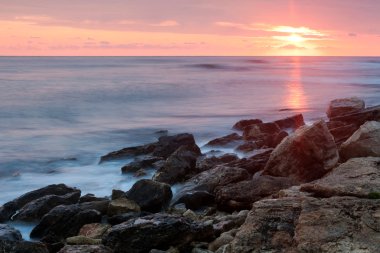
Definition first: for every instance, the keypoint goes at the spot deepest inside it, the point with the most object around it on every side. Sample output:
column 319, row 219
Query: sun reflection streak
column 296, row 98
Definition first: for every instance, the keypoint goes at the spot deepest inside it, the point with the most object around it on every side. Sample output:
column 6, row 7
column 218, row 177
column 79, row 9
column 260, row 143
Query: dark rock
column 9, row 233
column 196, row 199
column 151, row 196
column 306, row 155
column 93, row 230
column 340, row 107
column 248, row 146
column 117, row 194
column 278, row 138
column 242, row 195
column 122, row 205
column 35, row 209
column 293, row 122
column 225, row 140
column 261, row 131
column 90, row 198
column 179, row 165
column 206, row 163
column 240, row 125
column 138, row 164
column 65, row 221
column 10, row 208
column 128, row 152
column 85, row 249
column 159, row 231
column 254, row 163
column 120, row 218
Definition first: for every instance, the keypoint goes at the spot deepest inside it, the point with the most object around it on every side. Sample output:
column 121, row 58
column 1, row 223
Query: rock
column 11, row 242
column 138, row 164
column 94, row 230
column 199, row 250
column 140, row 173
column 179, row 164
column 277, row 139
column 159, row 231
column 229, row 222
column 339, row 107
column 85, row 249
column 190, row 214
column 82, row 240
column 117, row 219
column 206, row 163
column 223, row 239
column 196, row 199
column 164, row 147
column 90, row 198
column 248, row 146
column 151, row 196
column 363, row 143
column 293, row 122
column 207, row 181
column 357, row 177
column 242, row 195
column 342, row 133
column 270, row 226
column 344, row 225
column 35, row 209
column 261, row 131
column 240, row 125
column 65, row 221
column 359, row 118
column 117, row 194
column 9, row 233
column 122, row 205
column 306, row 155
column 10, row 208
column 227, row 140
column 253, row 163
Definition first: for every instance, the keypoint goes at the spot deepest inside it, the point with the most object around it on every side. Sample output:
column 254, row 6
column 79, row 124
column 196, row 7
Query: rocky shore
column 298, row 188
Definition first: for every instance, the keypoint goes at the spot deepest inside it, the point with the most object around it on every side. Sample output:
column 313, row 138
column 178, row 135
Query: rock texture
column 357, row 177
column 306, row 155
column 339, row 107
column 227, row 140
column 364, row 142
column 240, row 125
column 85, row 249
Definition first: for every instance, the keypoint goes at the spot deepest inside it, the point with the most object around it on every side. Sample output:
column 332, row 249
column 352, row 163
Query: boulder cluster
column 299, row 188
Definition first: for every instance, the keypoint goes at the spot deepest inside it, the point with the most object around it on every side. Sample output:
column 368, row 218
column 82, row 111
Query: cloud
column 292, row 47
column 352, row 34
column 166, row 23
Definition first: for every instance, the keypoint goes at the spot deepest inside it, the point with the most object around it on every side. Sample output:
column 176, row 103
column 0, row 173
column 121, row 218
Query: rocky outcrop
column 35, row 209
column 293, row 122
column 164, row 147
column 339, row 107
column 243, row 194
column 151, row 196
column 240, row 125
column 85, row 249
column 306, row 155
column 363, row 143
column 65, row 221
column 10, row 208
column 179, row 165
column 159, row 231
column 94, row 230
column 227, row 140
column 261, row 131
column 122, row 205
column 253, row 163
column 205, row 163
column 357, row 177
column 140, row 163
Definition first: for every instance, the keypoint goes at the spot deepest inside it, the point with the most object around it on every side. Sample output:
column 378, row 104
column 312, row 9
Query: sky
column 189, row 27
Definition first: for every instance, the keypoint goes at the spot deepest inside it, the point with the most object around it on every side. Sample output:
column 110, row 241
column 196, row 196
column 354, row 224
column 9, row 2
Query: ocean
column 58, row 115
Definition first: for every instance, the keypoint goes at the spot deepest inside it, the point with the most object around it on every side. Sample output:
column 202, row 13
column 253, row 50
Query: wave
column 213, row 66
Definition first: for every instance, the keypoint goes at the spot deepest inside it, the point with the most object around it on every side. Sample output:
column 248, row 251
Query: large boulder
column 228, row 140
column 122, row 205
column 306, row 155
column 151, row 196
column 164, row 147
column 10, row 208
column 178, row 165
column 35, row 209
column 206, row 163
column 159, row 231
column 357, row 177
column 242, row 195
column 66, row 221
column 261, row 131
column 339, row 107
column 364, row 142
column 293, row 122
column 360, row 117
column 140, row 163
column 240, row 125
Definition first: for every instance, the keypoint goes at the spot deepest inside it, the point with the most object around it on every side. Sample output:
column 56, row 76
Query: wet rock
column 263, row 131
column 140, row 173
column 293, row 122
column 164, row 147
column 357, row 177
column 82, row 240
column 363, row 143
column 122, row 205
column 270, row 226
column 179, row 165
column 343, row 224
column 206, row 163
column 117, row 194
column 10, row 208
column 65, row 221
column 94, row 230
column 253, row 163
column 339, row 107
column 248, row 146
column 243, row 194
column 240, row 125
column 208, row 180
column 159, row 231
column 227, row 140
column 146, row 162
column 85, row 249
column 151, row 196
column 9, row 233
column 91, row 198
column 306, row 155
column 35, row 209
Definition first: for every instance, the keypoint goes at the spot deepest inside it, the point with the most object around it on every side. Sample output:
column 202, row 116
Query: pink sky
column 190, row 27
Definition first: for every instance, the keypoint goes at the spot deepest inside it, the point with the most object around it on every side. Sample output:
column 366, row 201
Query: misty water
column 58, row 115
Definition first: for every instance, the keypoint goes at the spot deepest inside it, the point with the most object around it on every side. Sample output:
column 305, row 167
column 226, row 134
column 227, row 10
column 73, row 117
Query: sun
column 294, row 38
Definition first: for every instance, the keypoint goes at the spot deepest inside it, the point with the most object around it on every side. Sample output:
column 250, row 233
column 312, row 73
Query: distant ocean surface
column 58, row 115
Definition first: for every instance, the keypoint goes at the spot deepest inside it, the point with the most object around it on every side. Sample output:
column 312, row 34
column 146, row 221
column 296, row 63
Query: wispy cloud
column 166, row 23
